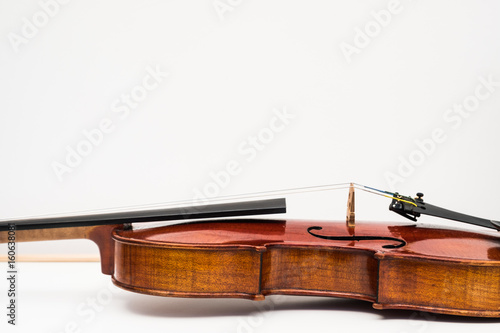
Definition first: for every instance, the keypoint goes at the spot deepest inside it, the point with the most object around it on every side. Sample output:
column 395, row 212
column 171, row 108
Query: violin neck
column 99, row 227
column 271, row 206
column 101, row 235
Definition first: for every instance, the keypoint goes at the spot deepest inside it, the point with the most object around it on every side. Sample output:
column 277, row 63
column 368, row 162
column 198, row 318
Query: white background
column 355, row 118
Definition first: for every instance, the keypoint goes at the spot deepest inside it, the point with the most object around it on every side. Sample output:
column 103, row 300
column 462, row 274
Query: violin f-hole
column 400, row 242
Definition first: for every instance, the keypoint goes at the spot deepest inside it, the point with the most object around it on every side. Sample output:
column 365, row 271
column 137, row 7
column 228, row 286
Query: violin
column 393, row 265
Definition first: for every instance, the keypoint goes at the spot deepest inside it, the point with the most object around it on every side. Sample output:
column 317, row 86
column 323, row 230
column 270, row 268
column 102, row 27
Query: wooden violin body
column 437, row 270
column 395, row 266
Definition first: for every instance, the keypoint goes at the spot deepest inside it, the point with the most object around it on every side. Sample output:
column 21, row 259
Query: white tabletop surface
column 76, row 297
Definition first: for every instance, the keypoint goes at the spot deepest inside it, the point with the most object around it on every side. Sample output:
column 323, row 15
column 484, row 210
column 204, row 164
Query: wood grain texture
column 54, row 258
column 438, row 270
column 188, row 271
column 444, row 287
column 101, row 235
column 315, row 271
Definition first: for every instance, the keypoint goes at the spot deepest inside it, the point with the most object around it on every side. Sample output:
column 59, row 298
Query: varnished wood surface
column 444, row 287
column 254, row 258
column 101, row 235
column 422, row 241
column 325, row 272
column 438, row 270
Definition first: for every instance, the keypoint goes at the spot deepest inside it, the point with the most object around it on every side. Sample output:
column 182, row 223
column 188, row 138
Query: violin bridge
column 350, row 219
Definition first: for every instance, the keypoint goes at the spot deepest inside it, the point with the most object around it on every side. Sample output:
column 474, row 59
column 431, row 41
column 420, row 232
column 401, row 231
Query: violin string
column 192, row 202
column 386, row 194
column 181, row 203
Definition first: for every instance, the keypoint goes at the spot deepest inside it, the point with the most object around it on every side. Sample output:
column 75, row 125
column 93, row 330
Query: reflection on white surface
column 75, row 297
